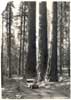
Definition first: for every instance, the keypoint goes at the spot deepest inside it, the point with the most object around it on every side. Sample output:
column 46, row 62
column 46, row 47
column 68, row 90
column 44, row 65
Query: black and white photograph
column 35, row 49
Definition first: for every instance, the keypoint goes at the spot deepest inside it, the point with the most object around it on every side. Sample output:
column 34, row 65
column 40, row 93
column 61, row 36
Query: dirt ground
column 16, row 89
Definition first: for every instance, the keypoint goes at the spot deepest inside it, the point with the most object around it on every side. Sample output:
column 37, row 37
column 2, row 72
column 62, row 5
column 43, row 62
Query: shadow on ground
column 16, row 89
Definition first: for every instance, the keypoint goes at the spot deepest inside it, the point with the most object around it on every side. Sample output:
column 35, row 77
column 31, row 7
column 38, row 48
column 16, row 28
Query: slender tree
column 21, row 32
column 8, row 26
column 63, row 34
column 67, row 34
column 2, row 63
column 61, row 38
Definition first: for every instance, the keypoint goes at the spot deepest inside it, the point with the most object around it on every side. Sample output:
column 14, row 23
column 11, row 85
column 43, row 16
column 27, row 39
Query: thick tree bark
column 31, row 56
column 42, row 56
column 53, row 66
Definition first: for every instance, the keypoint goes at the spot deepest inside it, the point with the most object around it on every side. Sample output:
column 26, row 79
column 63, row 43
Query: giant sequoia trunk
column 31, row 56
column 53, row 66
column 42, row 55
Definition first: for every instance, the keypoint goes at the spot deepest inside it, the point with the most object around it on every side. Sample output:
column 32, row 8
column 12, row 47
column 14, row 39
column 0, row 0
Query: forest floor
column 16, row 89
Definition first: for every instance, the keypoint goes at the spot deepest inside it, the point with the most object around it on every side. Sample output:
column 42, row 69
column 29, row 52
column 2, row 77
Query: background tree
column 63, row 33
column 25, row 30
column 61, row 38
column 20, row 33
column 2, row 53
column 66, row 39
column 9, row 17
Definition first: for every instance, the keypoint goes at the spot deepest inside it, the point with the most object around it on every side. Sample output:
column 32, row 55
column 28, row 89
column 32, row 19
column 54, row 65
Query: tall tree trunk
column 67, row 30
column 23, row 63
column 43, row 51
column 9, row 34
column 31, row 56
column 19, row 70
column 53, row 66
column 2, row 64
column 8, row 26
column 61, row 39
column 9, row 52
column 69, row 44
column 20, row 50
